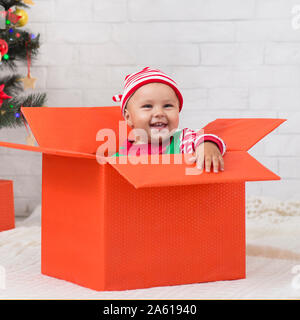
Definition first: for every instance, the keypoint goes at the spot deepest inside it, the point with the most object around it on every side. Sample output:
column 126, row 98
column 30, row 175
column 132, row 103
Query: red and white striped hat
column 135, row 80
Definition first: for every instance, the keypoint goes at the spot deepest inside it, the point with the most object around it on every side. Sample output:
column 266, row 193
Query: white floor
column 273, row 262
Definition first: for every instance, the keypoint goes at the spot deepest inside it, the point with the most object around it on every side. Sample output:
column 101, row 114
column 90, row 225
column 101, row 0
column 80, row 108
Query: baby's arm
column 214, row 148
column 212, row 138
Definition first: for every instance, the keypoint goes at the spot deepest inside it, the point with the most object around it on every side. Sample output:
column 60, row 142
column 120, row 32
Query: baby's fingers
column 215, row 160
column 221, row 163
column 207, row 163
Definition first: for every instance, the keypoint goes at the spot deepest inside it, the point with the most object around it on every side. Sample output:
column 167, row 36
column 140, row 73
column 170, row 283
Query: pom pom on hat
column 148, row 75
column 117, row 97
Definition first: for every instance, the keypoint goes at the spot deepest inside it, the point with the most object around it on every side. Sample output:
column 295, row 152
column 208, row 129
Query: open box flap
column 73, row 129
column 242, row 134
column 239, row 166
column 65, row 153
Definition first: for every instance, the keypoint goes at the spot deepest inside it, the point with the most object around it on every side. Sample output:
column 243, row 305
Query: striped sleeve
column 187, row 138
column 190, row 140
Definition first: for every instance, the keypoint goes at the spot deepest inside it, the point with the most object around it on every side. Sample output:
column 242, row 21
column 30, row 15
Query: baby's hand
column 211, row 154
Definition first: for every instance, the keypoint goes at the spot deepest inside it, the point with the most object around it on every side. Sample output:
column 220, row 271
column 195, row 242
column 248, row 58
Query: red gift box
column 7, row 209
column 115, row 226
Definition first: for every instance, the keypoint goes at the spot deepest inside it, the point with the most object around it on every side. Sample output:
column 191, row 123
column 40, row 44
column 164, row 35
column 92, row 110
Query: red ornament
column 3, row 47
column 13, row 17
column 3, row 95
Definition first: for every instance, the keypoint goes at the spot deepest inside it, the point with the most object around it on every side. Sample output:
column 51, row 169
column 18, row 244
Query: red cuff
column 210, row 138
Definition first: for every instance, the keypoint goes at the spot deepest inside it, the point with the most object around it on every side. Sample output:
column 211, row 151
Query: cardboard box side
column 7, row 208
column 72, row 220
column 175, row 235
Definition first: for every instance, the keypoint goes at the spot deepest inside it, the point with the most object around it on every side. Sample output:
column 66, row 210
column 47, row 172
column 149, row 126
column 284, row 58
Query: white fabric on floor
column 273, row 262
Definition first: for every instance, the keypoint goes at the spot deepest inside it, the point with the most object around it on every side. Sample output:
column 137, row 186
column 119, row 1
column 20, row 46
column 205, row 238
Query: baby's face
column 151, row 105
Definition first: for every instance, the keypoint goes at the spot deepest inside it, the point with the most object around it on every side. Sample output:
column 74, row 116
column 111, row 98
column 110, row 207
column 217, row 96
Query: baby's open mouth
column 158, row 125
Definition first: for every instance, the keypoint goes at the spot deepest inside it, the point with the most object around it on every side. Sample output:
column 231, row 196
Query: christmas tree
column 16, row 44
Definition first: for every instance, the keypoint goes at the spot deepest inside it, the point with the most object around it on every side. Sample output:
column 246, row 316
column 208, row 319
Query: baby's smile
column 158, row 125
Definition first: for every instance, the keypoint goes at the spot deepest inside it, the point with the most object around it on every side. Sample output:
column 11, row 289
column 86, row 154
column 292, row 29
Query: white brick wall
column 231, row 58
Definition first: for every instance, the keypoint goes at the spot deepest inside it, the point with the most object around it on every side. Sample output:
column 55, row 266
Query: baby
column 150, row 104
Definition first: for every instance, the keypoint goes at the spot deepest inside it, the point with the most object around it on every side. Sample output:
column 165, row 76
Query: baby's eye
column 146, row 106
column 168, row 105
